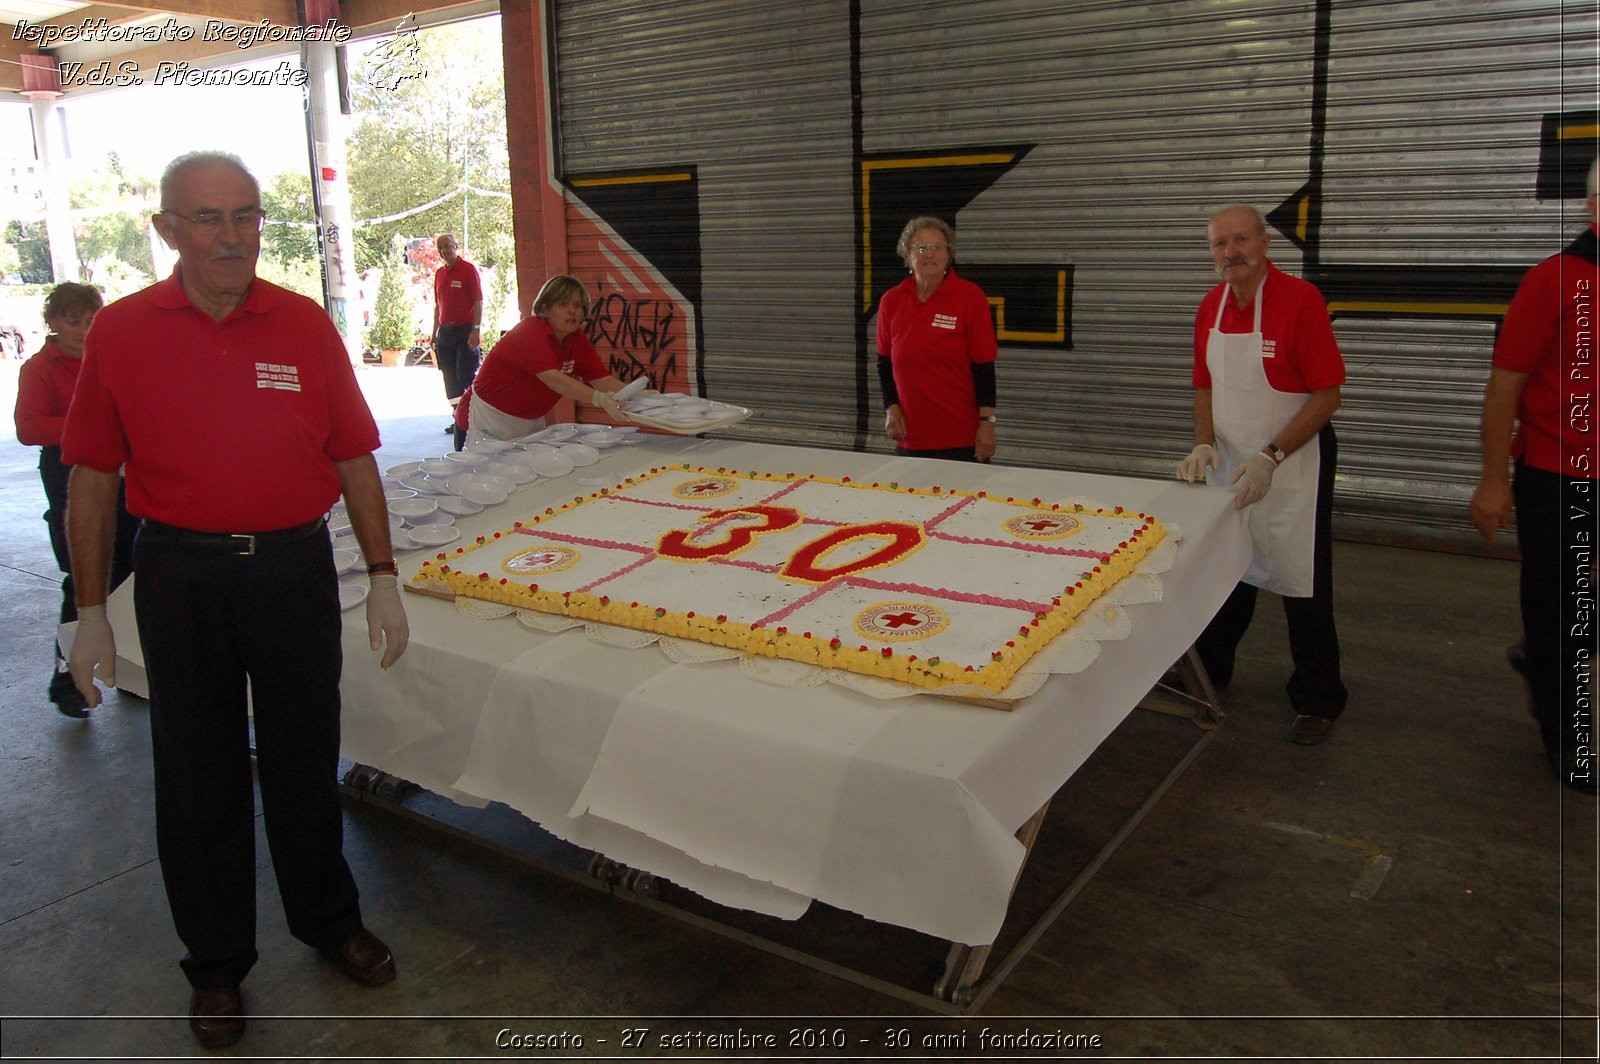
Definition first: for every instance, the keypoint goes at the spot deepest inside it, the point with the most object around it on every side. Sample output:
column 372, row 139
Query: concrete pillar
column 41, row 84
column 538, row 202
column 329, row 127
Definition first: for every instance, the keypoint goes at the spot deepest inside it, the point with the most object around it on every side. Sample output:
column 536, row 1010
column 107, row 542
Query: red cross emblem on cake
column 901, row 621
column 705, row 488
column 545, row 559
column 1042, row 525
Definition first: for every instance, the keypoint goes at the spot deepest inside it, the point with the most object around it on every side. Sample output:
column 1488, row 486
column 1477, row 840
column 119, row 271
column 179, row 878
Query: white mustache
column 228, row 253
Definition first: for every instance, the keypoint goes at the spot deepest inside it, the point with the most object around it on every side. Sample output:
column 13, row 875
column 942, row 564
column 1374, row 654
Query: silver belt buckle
column 249, row 544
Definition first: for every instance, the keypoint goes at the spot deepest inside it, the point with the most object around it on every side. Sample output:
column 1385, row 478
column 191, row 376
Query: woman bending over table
column 545, row 358
column 936, row 351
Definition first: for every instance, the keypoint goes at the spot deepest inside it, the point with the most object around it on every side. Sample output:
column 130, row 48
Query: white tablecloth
column 759, row 796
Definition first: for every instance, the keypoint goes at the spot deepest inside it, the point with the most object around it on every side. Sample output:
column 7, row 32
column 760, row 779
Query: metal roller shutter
column 1415, row 157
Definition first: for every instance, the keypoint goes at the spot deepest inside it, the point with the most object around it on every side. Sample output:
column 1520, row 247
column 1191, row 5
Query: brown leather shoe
column 1309, row 730
column 217, row 1016
column 364, row 958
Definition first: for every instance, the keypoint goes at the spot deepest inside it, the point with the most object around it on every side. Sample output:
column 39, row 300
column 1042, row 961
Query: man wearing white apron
column 1267, row 372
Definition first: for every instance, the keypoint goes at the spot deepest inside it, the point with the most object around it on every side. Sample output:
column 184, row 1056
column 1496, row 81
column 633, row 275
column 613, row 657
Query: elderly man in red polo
column 233, row 407
column 1267, row 377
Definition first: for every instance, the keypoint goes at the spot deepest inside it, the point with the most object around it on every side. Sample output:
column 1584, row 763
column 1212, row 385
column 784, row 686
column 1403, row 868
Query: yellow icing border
column 780, row 642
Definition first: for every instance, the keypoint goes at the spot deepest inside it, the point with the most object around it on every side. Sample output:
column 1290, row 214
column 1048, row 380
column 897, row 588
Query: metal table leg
column 1186, row 691
column 964, row 965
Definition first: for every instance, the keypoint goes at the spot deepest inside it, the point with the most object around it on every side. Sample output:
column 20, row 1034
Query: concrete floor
column 1418, row 886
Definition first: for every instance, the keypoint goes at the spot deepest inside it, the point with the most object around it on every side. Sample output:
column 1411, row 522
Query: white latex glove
column 1253, row 478
column 93, row 648
column 386, row 619
column 1194, row 467
column 608, row 403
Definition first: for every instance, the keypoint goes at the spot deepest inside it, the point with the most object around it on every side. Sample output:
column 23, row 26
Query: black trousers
column 954, row 454
column 212, row 623
column 54, row 473
column 1315, row 687
column 1556, row 531
column 458, row 361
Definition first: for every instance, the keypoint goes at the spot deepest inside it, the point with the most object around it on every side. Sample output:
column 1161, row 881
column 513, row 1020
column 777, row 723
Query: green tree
column 110, row 210
column 502, row 290
column 290, row 233
column 392, row 327
column 10, row 261
column 32, row 246
column 423, row 137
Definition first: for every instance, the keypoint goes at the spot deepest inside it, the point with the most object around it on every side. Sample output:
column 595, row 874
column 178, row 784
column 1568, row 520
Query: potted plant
column 392, row 328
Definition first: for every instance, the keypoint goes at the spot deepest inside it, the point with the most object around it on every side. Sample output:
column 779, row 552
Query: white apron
column 485, row 422
column 1247, row 413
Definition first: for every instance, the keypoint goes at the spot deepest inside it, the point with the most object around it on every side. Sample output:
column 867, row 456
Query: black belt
column 459, row 325
column 241, row 543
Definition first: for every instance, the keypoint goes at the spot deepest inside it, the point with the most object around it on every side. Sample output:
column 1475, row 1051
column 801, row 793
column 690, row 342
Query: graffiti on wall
column 634, row 240
column 638, row 336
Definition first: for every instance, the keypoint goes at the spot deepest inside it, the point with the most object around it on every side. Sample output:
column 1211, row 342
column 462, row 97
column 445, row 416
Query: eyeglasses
column 248, row 218
column 929, row 249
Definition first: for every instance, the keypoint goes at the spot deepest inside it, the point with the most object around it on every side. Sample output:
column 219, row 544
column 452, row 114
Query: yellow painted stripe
column 1497, row 309
column 1570, row 132
column 634, row 179
column 1003, row 333
column 939, row 160
column 869, row 165
column 1304, row 218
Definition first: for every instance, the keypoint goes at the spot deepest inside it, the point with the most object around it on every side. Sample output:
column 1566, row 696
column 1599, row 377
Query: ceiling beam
column 278, row 12
column 11, row 52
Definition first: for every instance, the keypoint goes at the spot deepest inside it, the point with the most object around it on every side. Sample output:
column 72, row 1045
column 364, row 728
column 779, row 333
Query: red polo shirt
column 509, row 380
column 1294, row 325
column 230, row 426
column 44, row 391
column 455, row 289
column 932, row 347
column 1550, row 334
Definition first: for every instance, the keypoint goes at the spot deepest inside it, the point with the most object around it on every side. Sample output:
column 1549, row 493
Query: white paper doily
column 689, row 652
column 612, row 635
column 781, row 672
column 483, row 611
column 547, row 622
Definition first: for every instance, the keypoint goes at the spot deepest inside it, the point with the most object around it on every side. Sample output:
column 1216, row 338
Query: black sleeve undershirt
column 983, row 383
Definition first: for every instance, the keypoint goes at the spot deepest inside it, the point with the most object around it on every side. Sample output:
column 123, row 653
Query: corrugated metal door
column 1415, row 158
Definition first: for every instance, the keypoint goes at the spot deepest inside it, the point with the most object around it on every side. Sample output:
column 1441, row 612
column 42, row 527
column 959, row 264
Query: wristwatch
column 1274, row 452
column 986, row 418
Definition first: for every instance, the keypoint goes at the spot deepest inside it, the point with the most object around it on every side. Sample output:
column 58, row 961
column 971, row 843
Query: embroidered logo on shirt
column 568, row 366
column 1269, row 348
column 280, row 378
column 455, row 284
column 944, row 321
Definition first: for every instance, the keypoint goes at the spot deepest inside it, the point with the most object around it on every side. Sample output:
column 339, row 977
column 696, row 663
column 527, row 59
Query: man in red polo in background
column 233, row 406
column 1543, row 383
column 457, row 313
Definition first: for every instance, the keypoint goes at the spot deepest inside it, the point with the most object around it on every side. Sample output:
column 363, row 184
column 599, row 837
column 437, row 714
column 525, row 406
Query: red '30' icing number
column 675, row 544
column 902, row 538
